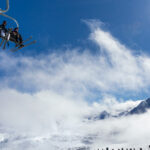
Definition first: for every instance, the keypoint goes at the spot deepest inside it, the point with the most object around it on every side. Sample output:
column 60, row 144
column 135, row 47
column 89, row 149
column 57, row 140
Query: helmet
column 16, row 29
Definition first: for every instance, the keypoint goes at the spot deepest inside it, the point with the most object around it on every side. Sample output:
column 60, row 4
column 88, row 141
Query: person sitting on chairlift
column 18, row 38
column 3, row 29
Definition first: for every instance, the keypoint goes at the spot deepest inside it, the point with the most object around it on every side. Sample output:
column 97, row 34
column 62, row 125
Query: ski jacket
column 17, row 36
column 2, row 27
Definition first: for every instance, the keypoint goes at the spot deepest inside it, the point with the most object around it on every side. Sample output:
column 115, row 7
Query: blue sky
column 57, row 23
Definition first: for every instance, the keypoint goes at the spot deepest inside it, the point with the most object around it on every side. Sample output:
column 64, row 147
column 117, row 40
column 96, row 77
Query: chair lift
column 8, row 35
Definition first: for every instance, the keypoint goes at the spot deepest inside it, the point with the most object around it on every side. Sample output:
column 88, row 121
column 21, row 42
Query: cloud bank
column 45, row 100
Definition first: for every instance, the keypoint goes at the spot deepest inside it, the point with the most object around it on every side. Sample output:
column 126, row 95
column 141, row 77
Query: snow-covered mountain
column 139, row 109
column 92, row 132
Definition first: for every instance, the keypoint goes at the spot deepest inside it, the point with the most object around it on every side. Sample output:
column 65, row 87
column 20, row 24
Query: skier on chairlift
column 3, row 29
column 17, row 37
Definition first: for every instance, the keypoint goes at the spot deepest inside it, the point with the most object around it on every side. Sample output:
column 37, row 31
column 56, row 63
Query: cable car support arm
column 7, row 7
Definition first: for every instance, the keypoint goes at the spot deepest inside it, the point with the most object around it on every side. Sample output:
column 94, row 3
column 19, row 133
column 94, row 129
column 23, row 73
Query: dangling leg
column 2, row 34
column 7, row 38
column 2, row 42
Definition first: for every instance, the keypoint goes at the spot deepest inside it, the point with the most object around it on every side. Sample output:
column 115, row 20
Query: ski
column 24, row 41
column 27, row 39
column 18, row 48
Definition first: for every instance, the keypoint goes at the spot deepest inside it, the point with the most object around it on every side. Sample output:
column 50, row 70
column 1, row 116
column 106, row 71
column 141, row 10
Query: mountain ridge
column 141, row 108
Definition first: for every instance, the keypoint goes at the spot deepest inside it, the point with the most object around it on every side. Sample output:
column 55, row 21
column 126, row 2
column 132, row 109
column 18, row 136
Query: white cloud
column 43, row 99
column 114, row 68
